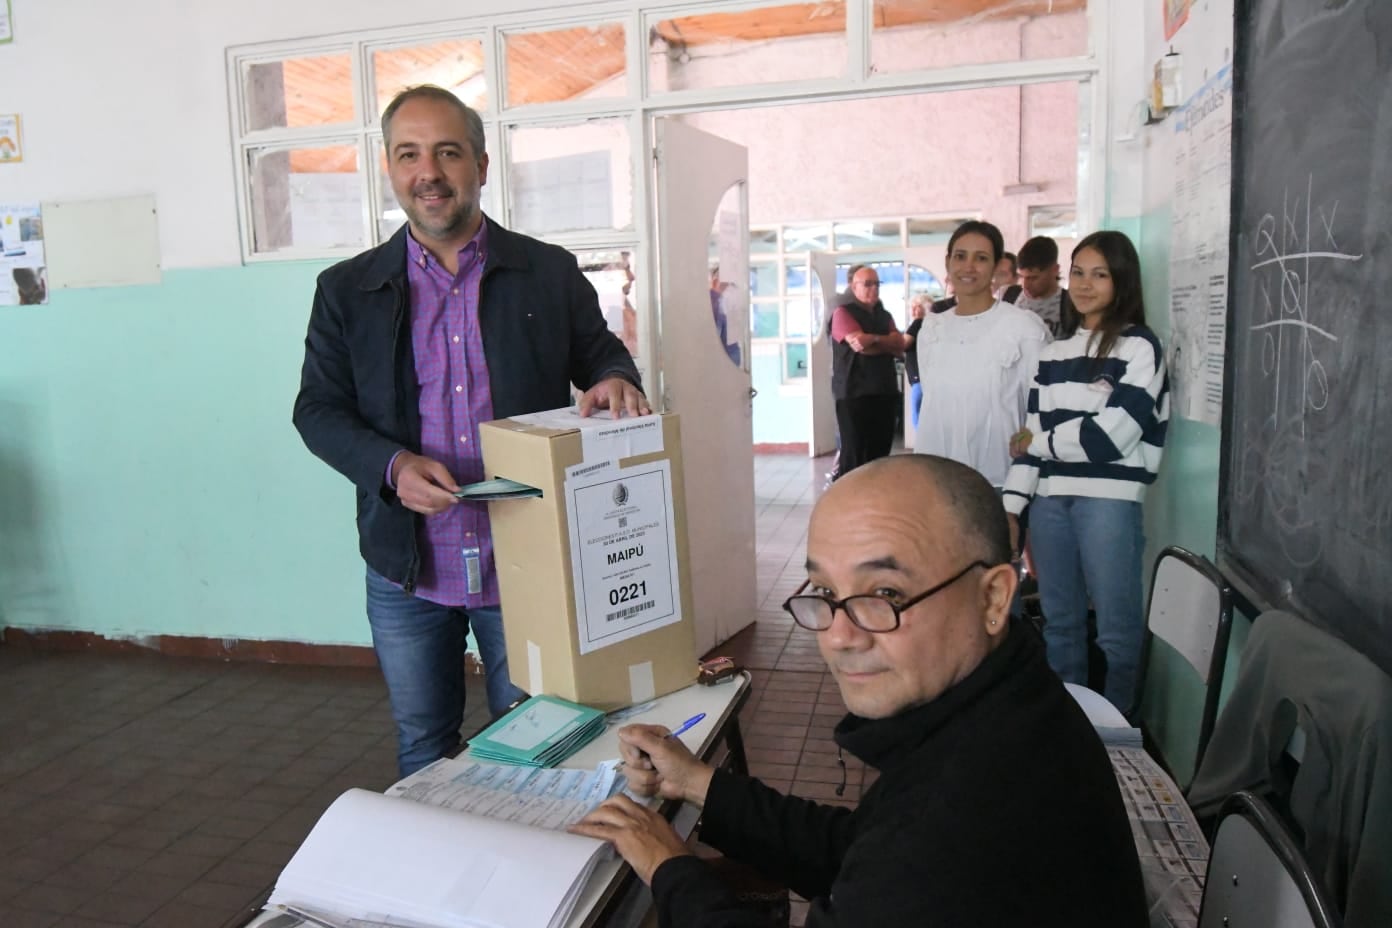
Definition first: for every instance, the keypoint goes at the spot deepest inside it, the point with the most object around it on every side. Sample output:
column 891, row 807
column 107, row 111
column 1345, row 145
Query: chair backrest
column 1191, row 608
column 1257, row 875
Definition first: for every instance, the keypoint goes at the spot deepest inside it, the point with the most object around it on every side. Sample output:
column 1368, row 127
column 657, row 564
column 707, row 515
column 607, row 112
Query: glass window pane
column 454, row 64
column 922, row 280
column 763, row 279
column 1054, row 221
column 807, row 238
column 851, row 235
column 798, row 321
column 611, row 273
column 727, row 262
column 934, row 231
column 763, row 241
column 764, row 320
column 794, row 360
column 912, row 34
column 795, row 278
column 582, row 62
column 571, row 178
column 315, row 91
column 772, row 43
column 309, row 197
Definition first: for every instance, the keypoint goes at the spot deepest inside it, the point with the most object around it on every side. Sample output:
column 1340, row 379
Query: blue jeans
column 915, row 401
column 1086, row 548
column 420, row 647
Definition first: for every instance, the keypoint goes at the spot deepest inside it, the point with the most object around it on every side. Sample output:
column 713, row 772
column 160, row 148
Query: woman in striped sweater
column 1091, row 445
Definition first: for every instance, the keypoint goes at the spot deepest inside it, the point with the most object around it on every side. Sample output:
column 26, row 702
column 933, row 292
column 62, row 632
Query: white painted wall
column 131, row 98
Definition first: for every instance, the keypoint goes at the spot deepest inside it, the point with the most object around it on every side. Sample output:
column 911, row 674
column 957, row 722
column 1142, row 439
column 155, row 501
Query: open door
column 821, row 278
column 703, row 364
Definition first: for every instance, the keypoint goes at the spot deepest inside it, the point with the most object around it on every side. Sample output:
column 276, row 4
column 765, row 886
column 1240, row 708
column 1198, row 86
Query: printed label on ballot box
column 622, row 550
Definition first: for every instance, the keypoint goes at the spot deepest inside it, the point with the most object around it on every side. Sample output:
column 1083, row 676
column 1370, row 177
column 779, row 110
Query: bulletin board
column 102, row 243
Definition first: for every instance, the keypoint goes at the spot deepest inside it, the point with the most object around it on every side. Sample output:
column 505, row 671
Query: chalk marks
column 1285, row 245
column 1295, row 319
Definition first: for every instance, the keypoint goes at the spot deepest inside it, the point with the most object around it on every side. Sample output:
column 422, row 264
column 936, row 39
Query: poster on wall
column 1199, row 251
column 23, row 272
column 11, row 150
column 1176, row 14
column 6, row 30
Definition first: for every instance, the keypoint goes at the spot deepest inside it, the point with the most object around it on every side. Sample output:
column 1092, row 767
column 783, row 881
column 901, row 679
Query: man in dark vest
column 865, row 342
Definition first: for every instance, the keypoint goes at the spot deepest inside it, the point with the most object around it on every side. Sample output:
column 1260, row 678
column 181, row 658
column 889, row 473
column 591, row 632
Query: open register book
column 459, row 844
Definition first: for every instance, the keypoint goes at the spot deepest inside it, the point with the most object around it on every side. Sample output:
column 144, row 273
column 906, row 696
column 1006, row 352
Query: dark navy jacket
column 358, row 400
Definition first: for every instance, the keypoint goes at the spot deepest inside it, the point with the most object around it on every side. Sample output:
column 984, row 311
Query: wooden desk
column 614, row 896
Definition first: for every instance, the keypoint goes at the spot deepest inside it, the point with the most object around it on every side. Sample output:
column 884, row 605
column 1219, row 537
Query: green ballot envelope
column 541, row 732
column 498, row 488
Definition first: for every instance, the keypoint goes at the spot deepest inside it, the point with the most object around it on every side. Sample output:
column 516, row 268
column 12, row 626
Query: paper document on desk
column 552, row 798
column 387, row 858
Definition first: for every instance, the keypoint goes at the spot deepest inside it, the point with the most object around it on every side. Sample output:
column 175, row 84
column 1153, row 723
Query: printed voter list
column 622, row 550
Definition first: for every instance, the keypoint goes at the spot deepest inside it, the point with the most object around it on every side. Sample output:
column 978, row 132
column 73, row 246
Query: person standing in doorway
column 975, row 361
column 411, row 346
column 918, row 308
column 864, row 380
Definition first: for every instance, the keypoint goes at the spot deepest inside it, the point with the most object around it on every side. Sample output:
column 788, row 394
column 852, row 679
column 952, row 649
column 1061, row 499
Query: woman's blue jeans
column 420, row 646
column 1087, row 549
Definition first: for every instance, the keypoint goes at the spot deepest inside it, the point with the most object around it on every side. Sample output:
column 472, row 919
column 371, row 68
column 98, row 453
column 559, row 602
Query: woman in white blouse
column 976, row 361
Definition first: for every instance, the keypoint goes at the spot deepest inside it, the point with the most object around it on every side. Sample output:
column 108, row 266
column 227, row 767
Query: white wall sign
column 11, row 146
column 623, row 551
column 1199, row 251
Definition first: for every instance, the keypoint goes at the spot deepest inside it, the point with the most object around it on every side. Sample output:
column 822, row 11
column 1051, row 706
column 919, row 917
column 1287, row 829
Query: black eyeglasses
column 868, row 611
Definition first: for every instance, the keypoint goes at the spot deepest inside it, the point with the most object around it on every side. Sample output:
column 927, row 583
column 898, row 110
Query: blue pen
column 687, row 725
column 682, row 728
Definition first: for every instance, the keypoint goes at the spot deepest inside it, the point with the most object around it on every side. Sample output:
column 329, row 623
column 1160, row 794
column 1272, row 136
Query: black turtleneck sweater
column 996, row 805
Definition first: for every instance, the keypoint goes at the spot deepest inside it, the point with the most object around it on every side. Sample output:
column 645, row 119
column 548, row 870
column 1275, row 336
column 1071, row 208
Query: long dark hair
column 1128, row 305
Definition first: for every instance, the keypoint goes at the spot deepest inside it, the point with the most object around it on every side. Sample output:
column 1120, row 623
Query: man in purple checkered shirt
column 411, row 346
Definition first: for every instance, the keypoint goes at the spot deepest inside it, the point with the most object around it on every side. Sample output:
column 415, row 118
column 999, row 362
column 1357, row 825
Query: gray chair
column 1191, row 610
column 1257, row 875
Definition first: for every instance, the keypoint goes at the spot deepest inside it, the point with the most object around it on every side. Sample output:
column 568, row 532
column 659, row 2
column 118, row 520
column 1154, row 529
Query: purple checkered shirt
column 454, row 400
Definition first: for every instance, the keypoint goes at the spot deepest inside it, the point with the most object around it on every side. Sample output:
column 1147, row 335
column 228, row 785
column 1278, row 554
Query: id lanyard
column 473, row 568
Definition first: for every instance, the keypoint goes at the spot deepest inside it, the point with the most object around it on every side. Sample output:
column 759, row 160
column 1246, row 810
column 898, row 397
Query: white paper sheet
column 623, row 551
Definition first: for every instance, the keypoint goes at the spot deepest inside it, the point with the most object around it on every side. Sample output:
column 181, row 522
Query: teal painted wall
column 1181, row 509
column 150, row 479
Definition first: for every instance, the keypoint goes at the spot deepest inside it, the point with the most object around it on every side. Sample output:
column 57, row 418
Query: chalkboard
column 1306, row 497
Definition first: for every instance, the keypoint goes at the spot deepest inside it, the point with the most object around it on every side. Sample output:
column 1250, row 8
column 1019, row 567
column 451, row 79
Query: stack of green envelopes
column 541, row 732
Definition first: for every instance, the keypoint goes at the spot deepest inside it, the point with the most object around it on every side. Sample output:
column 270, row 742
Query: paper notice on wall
column 11, row 145
column 6, row 23
column 622, row 551
column 23, row 269
column 1199, row 251
column 602, row 437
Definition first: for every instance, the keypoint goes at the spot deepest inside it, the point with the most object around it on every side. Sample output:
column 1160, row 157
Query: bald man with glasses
column 996, row 803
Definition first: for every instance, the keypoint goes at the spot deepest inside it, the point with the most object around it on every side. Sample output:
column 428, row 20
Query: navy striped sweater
column 1099, row 430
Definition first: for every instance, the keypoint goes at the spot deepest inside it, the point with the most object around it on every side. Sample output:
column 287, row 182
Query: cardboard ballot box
column 594, row 577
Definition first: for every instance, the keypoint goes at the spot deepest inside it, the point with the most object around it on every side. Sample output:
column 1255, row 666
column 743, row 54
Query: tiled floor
column 137, row 790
